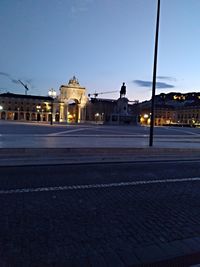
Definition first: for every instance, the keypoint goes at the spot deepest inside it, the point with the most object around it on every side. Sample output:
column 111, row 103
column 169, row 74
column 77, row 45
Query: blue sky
column 103, row 42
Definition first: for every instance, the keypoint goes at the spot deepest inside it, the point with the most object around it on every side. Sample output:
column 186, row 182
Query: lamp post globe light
column 52, row 94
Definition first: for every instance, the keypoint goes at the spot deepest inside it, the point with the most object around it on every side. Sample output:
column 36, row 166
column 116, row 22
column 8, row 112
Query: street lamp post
column 18, row 113
column 38, row 113
column 154, row 77
column 42, row 114
column 52, row 94
column 52, row 112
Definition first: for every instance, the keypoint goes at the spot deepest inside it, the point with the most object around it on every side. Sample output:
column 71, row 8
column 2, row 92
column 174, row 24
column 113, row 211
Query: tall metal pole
column 52, row 112
column 154, row 77
column 52, row 94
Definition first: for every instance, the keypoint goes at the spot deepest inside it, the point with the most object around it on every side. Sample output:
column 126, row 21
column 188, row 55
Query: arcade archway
column 72, row 111
column 74, row 101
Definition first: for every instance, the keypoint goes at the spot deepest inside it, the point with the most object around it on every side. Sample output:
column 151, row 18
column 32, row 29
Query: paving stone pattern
column 100, row 227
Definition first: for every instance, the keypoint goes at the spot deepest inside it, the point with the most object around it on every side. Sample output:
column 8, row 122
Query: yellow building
column 69, row 106
column 25, row 107
column 73, row 102
column 173, row 109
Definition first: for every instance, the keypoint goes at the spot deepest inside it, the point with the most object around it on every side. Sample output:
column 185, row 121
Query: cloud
column 4, row 74
column 14, row 81
column 80, row 6
column 159, row 85
column 9, row 77
column 166, row 78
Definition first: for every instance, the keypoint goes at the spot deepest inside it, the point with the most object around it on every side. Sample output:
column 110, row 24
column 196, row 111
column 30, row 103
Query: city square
column 99, row 133
column 45, row 135
column 98, row 195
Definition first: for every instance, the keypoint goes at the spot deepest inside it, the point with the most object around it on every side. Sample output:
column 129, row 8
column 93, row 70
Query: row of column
column 64, row 113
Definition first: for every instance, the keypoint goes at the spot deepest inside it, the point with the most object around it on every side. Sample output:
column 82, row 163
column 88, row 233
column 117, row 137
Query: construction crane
column 25, row 86
column 101, row 93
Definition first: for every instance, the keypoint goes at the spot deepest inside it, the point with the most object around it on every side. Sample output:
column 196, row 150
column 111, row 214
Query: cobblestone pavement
column 115, row 226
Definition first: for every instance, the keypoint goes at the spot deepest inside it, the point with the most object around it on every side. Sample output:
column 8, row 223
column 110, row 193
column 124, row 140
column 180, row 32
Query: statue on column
column 123, row 90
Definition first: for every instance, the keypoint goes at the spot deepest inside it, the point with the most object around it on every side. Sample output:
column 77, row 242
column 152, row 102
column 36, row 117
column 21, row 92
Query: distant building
column 25, row 107
column 73, row 102
column 172, row 108
column 70, row 106
column 110, row 111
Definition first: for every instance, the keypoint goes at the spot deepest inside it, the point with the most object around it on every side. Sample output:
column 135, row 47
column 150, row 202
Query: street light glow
column 52, row 93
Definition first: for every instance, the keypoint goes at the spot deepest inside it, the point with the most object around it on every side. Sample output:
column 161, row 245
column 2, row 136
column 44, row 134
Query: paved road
column 99, row 214
column 10, row 128
column 30, row 135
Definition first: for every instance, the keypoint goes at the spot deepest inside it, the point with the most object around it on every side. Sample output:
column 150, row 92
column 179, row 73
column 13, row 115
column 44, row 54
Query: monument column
column 79, row 113
column 62, row 115
column 66, row 112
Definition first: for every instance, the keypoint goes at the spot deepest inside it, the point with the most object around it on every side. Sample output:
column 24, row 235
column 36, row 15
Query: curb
column 57, row 156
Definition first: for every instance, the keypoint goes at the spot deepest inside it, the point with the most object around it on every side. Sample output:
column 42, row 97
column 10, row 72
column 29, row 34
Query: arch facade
column 75, row 112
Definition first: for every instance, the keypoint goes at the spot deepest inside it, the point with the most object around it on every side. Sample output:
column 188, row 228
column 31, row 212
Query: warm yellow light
column 146, row 116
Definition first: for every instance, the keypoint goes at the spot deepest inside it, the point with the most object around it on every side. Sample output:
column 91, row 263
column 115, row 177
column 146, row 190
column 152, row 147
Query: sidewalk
column 51, row 156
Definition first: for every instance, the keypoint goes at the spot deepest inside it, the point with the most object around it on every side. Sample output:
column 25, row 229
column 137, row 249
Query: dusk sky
column 102, row 42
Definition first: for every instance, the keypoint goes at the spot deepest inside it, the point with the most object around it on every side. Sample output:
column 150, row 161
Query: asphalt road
column 99, row 214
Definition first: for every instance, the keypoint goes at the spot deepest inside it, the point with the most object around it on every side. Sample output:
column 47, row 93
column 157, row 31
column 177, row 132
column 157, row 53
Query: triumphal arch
column 73, row 101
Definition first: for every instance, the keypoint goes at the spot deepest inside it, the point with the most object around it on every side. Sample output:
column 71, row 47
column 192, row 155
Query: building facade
column 25, row 107
column 70, row 106
column 72, row 101
column 172, row 109
column 110, row 111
